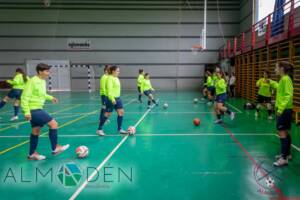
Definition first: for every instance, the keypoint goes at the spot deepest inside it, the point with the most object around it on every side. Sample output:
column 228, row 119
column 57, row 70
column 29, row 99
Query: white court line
column 234, row 107
column 79, row 190
column 148, row 135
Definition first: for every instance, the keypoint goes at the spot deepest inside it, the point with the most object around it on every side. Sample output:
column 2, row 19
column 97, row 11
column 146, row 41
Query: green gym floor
column 168, row 158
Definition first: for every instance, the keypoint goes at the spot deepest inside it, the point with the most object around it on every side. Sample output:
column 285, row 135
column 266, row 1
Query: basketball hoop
column 196, row 48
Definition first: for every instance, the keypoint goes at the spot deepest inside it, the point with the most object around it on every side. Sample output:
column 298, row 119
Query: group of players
column 31, row 94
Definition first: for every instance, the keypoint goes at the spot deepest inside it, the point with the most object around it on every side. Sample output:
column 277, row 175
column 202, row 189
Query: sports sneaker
column 218, row 121
column 232, row 115
column 14, row 118
column 209, row 103
column 100, row 132
column 289, row 157
column 270, row 118
column 123, row 131
column 59, row 149
column 281, row 162
column 36, row 156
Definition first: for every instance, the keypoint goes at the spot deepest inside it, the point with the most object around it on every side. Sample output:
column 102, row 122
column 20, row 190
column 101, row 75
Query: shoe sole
column 57, row 153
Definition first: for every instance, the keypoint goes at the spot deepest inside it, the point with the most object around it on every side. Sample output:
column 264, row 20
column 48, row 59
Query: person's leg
column 4, row 101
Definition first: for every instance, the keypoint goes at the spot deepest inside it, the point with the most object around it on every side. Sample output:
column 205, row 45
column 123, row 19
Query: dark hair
column 147, row 74
column 141, row 71
column 112, row 69
column 42, row 67
column 19, row 70
column 267, row 72
column 106, row 68
column 288, row 68
column 208, row 72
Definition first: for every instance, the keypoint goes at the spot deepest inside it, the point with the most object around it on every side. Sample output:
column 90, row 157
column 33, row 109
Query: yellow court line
column 20, row 123
column 63, row 125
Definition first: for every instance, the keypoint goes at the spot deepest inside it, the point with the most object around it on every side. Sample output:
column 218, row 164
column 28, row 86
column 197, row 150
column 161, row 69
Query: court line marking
column 239, row 111
column 63, row 125
column 84, row 184
column 148, row 135
column 24, row 122
column 253, row 161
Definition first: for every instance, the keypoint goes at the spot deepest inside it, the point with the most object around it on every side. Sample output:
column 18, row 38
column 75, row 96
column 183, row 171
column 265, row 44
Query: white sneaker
column 59, row 149
column 123, row 131
column 36, row 156
column 14, row 118
column 209, row 103
column 100, row 132
column 289, row 157
column 218, row 121
column 232, row 115
column 270, row 118
column 281, row 162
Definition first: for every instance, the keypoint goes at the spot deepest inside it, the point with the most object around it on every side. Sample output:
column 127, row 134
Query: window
column 263, row 8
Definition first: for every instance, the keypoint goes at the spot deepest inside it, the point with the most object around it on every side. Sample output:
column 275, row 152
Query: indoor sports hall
column 157, row 99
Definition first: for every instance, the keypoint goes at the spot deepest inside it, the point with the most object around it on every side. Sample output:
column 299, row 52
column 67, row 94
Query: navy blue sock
column 101, row 113
column 290, row 144
column 149, row 103
column 53, row 138
column 228, row 111
column 219, row 116
column 284, row 147
column 34, row 139
column 120, row 121
column 16, row 109
column 103, row 119
column 2, row 104
column 153, row 101
column 140, row 97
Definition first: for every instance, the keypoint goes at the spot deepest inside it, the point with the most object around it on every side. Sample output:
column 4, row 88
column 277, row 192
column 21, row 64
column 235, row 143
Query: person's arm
column 286, row 96
column 16, row 80
column 26, row 95
column 109, row 87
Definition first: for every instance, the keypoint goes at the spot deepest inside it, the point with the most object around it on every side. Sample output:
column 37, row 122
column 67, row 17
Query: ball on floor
column 196, row 122
column 82, row 151
column 131, row 130
column 165, row 106
column 195, row 100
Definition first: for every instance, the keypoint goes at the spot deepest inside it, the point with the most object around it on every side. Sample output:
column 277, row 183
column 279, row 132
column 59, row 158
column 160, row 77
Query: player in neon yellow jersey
column 283, row 107
column 140, row 80
column 18, row 84
column 114, row 102
column 221, row 92
column 265, row 85
column 32, row 103
column 148, row 90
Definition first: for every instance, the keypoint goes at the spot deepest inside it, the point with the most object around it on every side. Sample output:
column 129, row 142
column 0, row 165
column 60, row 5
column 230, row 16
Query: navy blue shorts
column 221, row 98
column 39, row 118
column 110, row 107
column 263, row 99
column 103, row 100
column 15, row 94
column 284, row 121
column 212, row 90
column 148, row 92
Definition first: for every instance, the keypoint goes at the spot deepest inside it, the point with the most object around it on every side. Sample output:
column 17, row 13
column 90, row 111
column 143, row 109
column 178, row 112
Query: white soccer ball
column 165, row 106
column 131, row 130
column 82, row 151
column 195, row 100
